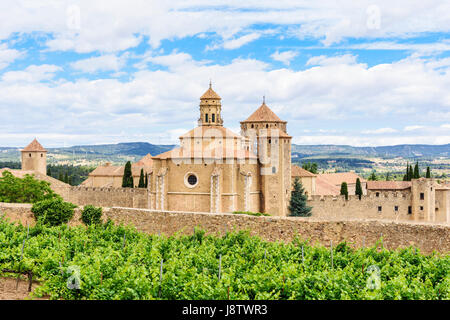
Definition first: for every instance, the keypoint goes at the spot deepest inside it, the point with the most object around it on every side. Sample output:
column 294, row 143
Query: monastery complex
column 218, row 171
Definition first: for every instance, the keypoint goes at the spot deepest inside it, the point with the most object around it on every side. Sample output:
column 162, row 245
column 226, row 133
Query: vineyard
column 117, row 262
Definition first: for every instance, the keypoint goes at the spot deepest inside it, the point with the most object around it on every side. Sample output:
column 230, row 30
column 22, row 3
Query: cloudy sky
column 363, row 73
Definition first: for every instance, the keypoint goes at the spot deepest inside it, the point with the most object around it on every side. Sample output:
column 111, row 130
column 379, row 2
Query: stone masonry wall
column 108, row 197
column 426, row 236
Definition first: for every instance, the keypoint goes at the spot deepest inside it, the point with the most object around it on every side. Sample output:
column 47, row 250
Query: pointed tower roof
column 210, row 94
column 263, row 114
column 34, row 146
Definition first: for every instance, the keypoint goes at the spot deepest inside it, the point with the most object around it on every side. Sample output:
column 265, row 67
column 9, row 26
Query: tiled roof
column 209, row 132
column 210, row 94
column 263, row 114
column 337, row 178
column 388, row 185
column 217, row 153
column 146, row 161
column 296, row 171
column 324, row 188
column 34, row 146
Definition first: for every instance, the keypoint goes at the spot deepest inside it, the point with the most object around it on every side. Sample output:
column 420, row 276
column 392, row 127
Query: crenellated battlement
column 108, row 190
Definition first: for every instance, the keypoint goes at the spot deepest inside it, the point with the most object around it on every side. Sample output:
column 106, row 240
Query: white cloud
column 380, row 131
column 151, row 102
column 412, row 128
column 7, row 55
column 324, row 60
column 113, row 25
column 285, row 56
column 32, row 73
column 108, row 62
column 231, row 44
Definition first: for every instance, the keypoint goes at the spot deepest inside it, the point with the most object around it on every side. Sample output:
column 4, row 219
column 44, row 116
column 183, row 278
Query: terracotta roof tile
column 337, row 178
column 324, row 188
column 388, row 185
column 263, row 114
column 146, row 161
column 34, row 146
column 297, row 171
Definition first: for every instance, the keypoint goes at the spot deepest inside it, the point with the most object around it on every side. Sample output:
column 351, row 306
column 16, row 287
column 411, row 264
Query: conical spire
column 34, row 146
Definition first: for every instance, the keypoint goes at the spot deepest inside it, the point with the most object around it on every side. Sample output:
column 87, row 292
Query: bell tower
column 210, row 108
column 266, row 136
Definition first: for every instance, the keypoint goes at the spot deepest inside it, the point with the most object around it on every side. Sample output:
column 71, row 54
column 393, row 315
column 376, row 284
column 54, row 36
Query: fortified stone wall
column 108, row 197
column 426, row 236
column 388, row 205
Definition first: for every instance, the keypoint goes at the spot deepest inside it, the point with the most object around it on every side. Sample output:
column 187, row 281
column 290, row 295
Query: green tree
column 53, row 212
column 428, row 173
column 49, row 172
column 70, row 180
column 344, row 190
column 127, row 180
column 406, row 176
column 91, row 215
column 297, row 205
column 373, row 176
column 61, row 176
column 146, row 180
column 388, row 178
column 66, row 178
column 358, row 188
column 24, row 190
column 141, row 180
column 311, row 167
column 411, row 173
column 416, row 171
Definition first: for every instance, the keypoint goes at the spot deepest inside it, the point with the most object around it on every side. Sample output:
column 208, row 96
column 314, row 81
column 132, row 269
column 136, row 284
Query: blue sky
column 89, row 72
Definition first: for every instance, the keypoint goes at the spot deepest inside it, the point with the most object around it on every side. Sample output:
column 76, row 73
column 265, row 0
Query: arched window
column 213, row 117
column 30, row 155
column 206, row 118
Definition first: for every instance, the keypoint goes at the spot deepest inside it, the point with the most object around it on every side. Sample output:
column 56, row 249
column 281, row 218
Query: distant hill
column 116, row 152
column 404, row 151
column 127, row 148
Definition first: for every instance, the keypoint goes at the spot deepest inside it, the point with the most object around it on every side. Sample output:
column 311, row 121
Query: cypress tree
column 406, row 176
column 146, row 180
column 141, row 180
column 127, row 180
column 358, row 189
column 344, row 190
column 428, row 173
column 49, row 172
column 297, row 205
column 416, row 171
column 388, row 178
column 61, row 177
column 373, row 176
column 70, row 180
column 66, row 178
column 411, row 173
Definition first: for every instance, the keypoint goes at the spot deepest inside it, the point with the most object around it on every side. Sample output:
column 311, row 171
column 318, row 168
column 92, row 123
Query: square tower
column 266, row 136
column 34, row 158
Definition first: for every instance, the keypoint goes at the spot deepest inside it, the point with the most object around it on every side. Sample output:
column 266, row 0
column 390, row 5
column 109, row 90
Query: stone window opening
column 377, row 194
column 213, row 118
column 380, row 208
column 396, row 208
column 30, row 155
column 267, row 126
column 422, row 196
column 253, row 126
column 206, row 118
column 42, row 155
column 274, row 170
column 421, row 208
column 409, row 210
column 190, row 180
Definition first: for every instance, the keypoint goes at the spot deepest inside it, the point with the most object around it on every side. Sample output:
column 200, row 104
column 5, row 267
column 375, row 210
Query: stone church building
column 217, row 170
